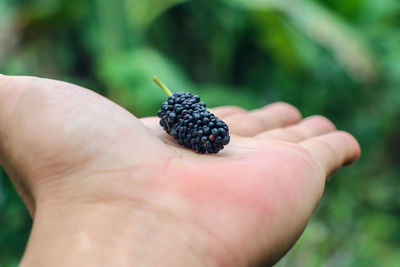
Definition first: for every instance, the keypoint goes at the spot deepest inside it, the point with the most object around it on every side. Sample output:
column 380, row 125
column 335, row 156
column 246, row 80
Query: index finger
column 225, row 111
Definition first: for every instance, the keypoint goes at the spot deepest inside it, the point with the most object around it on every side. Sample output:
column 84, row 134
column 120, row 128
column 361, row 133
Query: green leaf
column 325, row 28
column 128, row 78
column 142, row 13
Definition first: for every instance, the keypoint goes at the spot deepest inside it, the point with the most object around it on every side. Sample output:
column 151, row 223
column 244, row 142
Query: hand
column 105, row 188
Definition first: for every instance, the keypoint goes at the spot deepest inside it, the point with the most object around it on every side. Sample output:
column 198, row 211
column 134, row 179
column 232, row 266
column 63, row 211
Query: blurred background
column 338, row 58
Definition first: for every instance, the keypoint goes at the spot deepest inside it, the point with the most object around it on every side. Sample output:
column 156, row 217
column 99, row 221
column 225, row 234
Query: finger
column 259, row 120
column 307, row 128
column 223, row 112
column 333, row 150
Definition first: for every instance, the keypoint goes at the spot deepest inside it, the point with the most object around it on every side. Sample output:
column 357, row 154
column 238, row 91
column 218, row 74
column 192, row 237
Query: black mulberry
column 189, row 122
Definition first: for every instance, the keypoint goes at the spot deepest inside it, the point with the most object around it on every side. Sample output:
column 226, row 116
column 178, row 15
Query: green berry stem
column 159, row 83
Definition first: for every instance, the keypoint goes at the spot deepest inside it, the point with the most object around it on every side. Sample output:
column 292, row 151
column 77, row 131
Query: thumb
column 10, row 88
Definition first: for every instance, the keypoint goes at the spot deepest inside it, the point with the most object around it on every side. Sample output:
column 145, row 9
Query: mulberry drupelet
column 189, row 122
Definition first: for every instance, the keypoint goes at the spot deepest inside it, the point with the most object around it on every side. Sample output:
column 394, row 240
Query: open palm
column 250, row 202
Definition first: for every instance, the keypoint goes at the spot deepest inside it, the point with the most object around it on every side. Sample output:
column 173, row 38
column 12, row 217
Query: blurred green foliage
column 337, row 58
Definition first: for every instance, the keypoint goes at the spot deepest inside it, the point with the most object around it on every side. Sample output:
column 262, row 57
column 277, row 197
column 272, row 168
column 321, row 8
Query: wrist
column 100, row 234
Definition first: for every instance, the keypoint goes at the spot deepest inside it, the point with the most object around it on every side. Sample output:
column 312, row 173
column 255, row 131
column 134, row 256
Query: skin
column 107, row 189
